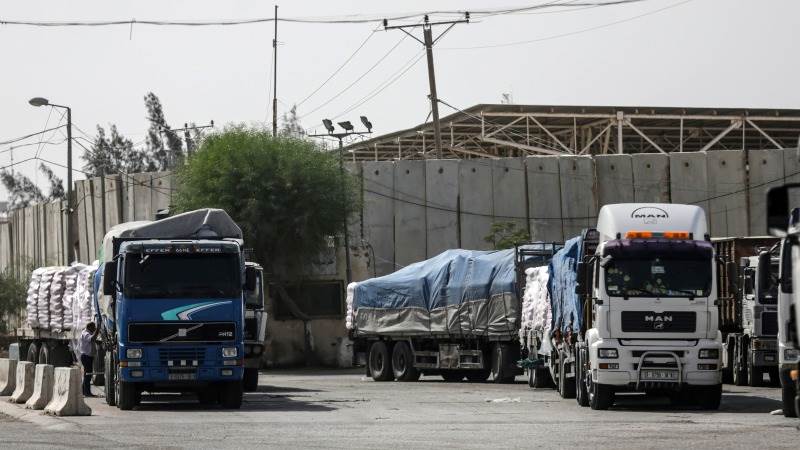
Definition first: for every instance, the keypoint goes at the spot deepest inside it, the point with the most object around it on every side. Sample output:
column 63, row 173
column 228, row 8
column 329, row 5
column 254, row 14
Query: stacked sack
column 82, row 305
column 32, row 301
column 57, row 288
column 536, row 311
column 43, row 301
column 70, row 284
column 350, row 314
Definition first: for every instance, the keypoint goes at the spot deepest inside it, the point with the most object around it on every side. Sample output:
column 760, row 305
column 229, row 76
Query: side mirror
column 250, row 279
column 110, row 278
column 779, row 200
column 582, row 278
column 764, row 269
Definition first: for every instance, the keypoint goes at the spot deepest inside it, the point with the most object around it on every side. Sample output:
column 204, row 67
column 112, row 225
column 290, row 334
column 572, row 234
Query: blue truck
column 170, row 307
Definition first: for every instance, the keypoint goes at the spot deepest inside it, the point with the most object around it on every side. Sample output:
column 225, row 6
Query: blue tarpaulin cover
column 565, row 303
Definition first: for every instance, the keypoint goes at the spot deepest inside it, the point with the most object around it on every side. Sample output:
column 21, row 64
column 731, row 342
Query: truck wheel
column 380, row 362
column 60, row 356
column 231, row 395
column 774, row 377
column 99, row 378
column 787, row 397
column 250, row 379
column 208, row 396
column 755, row 377
column 44, row 354
column 727, row 372
column 108, row 369
column 127, row 397
column 403, row 363
column 601, row 396
column 581, row 393
column 452, row 375
column 501, row 354
column 478, row 376
column 740, row 366
column 565, row 387
column 709, row 397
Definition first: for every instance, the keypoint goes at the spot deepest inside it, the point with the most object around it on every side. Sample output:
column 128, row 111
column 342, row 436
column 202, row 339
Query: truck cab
column 650, row 308
column 255, row 326
column 760, row 315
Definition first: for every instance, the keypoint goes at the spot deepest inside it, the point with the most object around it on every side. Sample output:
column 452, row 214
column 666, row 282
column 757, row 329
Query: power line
column 570, row 33
column 22, row 138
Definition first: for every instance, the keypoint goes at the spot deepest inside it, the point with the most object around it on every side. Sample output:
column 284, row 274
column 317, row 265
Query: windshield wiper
column 688, row 293
column 640, row 290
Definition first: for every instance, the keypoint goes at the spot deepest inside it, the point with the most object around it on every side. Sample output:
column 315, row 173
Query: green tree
column 163, row 144
column 12, row 299
column 290, row 124
column 506, row 235
column 114, row 153
column 22, row 191
column 286, row 194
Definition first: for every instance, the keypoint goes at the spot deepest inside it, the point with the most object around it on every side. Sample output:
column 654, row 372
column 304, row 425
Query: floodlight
column 38, row 101
column 346, row 125
column 328, row 125
column 366, row 123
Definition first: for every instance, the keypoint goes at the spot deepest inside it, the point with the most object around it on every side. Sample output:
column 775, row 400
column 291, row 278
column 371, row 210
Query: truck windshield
column 658, row 278
column 769, row 293
column 172, row 276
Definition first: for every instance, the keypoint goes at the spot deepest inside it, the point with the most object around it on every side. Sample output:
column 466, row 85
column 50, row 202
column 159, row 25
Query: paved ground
column 343, row 409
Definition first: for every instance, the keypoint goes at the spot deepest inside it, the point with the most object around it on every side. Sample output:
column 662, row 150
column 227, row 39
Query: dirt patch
column 5, row 418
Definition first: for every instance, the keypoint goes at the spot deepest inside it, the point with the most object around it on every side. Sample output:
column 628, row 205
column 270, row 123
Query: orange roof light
column 676, row 234
column 638, row 235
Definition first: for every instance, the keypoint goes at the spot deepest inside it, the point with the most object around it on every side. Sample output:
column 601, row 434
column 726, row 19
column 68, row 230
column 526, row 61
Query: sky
column 696, row 53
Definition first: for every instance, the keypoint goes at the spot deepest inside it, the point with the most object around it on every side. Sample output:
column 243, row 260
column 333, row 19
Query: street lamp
column 348, row 130
column 41, row 101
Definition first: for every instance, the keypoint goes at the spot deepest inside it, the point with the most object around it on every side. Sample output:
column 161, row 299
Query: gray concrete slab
column 508, row 192
column 441, row 200
column 354, row 220
column 766, row 171
column 578, row 194
column 650, row 178
column 335, row 409
column 476, row 211
column 544, row 198
column 379, row 213
column 726, row 183
column 113, row 200
column 409, row 212
column 689, row 179
column 614, row 175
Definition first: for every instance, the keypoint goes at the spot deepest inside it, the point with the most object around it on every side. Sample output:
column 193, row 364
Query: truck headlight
column 607, row 353
column 791, row 354
column 709, row 353
column 133, row 353
column 230, row 352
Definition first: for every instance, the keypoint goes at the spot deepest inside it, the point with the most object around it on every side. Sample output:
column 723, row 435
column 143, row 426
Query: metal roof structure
column 493, row 131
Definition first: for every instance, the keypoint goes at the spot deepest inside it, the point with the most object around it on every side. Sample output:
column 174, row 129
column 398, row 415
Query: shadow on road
column 731, row 403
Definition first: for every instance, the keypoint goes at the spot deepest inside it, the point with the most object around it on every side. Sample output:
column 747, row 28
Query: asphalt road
column 305, row 409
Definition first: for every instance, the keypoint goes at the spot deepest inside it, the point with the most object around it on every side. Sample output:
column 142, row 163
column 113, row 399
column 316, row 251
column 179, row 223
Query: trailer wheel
column 403, row 363
column 98, row 367
column 33, row 353
column 250, row 379
column 601, row 396
column 727, row 372
column 108, row 368
column 380, row 362
column 128, row 395
column 44, row 354
column 501, row 354
column 740, row 365
column 755, row 377
column 581, row 393
column 230, row 395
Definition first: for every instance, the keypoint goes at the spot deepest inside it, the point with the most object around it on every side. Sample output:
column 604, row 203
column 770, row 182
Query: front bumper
column 656, row 357
column 764, row 358
column 161, row 375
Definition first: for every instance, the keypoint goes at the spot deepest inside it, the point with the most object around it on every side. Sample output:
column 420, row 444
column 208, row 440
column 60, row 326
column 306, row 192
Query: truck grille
column 652, row 322
column 769, row 323
column 181, row 332
column 181, row 357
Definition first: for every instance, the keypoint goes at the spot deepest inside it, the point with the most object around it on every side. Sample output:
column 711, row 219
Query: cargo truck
column 255, row 328
column 170, row 305
column 455, row 315
column 634, row 309
column 783, row 221
column 747, row 282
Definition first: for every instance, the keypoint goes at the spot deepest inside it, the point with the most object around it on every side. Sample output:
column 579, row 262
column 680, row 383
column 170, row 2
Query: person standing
column 86, row 349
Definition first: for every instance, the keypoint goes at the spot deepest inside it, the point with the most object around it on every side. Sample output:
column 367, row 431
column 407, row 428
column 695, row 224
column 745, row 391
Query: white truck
column 784, row 222
column 634, row 309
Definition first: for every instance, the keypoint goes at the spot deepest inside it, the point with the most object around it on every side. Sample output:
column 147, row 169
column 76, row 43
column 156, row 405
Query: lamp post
column 348, row 131
column 40, row 101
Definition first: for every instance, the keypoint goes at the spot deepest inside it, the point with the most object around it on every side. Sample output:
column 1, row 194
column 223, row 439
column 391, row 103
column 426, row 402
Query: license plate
column 659, row 375
column 182, row 376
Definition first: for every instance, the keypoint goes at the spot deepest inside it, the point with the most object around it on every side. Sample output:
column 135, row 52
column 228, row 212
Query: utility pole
column 275, row 77
column 348, row 131
column 428, row 41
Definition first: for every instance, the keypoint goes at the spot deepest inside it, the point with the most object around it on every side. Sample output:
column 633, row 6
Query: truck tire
column 60, row 356
column 709, row 397
column 727, row 372
column 755, row 377
column 128, row 395
column 109, row 369
column 452, row 375
column 478, row 376
column 250, row 379
column 565, row 387
column 380, row 362
column 787, row 398
column 208, row 396
column 774, row 377
column 740, row 365
column 403, row 363
column 581, row 393
column 33, row 353
column 98, row 367
column 501, row 353
column 230, row 395
column 601, row 396
column 542, row 378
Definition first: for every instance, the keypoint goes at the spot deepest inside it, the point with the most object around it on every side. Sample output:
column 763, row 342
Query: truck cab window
column 749, row 278
column 658, row 278
column 184, row 275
